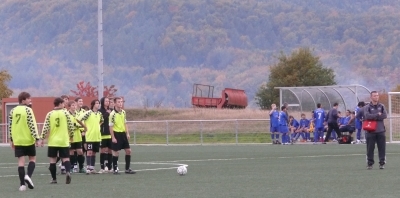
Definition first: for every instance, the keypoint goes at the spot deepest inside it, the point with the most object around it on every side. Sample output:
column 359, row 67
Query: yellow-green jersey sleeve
column 23, row 128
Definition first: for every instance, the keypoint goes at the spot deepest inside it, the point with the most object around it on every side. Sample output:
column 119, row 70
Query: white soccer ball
column 182, row 170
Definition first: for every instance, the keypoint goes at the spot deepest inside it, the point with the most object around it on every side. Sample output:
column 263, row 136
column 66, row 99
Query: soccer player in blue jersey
column 283, row 125
column 274, row 124
column 344, row 120
column 358, row 122
column 293, row 126
column 303, row 130
column 319, row 121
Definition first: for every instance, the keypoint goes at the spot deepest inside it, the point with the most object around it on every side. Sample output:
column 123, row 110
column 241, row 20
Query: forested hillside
column 155, row 50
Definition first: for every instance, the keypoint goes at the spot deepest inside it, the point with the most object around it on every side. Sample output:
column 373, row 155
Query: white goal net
column 393, row 111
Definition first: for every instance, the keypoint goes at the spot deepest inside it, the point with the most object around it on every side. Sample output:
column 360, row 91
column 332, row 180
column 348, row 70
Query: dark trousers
column 332, row 126
column 380, row 140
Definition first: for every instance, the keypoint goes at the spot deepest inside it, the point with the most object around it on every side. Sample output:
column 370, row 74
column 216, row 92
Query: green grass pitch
column 251, row 170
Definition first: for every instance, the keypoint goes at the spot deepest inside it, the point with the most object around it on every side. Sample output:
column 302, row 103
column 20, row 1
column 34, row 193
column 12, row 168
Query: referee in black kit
column 332, row 119
column 375, row 111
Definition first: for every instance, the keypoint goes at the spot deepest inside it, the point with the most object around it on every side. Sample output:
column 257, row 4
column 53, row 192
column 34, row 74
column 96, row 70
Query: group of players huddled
column 285, row 129
column 71, row 132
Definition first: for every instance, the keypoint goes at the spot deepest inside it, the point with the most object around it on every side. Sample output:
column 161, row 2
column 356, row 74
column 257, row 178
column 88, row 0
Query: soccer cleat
column 381, row 166
column 101, row 171
column 130, row 171
column 22, row 188
column 29, row 182
column 68, row 178
column 116, row 172
column 323, row 142
column 75, row 170
column 82, row 170
column 106, row 169
column 369, row 167
column 53, row 182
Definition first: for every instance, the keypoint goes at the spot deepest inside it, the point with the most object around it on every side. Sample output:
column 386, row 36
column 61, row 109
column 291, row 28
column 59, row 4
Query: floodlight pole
column 100, row 49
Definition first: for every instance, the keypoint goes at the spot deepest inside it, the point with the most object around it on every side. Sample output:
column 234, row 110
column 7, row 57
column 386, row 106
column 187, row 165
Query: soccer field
column 222, row 171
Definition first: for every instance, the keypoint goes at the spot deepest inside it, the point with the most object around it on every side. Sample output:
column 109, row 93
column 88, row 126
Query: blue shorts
column 274, row 129
column 358, row 125
column 283, row 129
column 319, row 129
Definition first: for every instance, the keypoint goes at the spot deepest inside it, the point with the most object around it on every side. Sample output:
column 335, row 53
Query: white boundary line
column 175, row 166
column 176, row 163
column 216, row 144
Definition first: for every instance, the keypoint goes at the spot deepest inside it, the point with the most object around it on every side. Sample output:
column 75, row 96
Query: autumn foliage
column 87, row 90
column 5, row 77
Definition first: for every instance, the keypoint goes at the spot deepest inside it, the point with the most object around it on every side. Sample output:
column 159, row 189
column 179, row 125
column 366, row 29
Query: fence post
column 201, row 132
column 6, row 134
column 166, row 122
column 390, row 119
column 134, row 134
column 236, row 131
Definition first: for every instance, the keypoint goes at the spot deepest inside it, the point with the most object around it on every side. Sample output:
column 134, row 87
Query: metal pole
column 390, row 118
column 201, row 133
column 301, row 99
column 166, row 122
column 236, row 132
column 100, row 49
column 134, row 134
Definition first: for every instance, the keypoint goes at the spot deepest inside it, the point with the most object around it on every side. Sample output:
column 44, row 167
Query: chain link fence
column 190, row 131
column 235, row 131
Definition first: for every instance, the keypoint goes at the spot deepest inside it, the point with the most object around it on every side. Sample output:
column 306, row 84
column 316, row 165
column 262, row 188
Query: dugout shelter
column 305, row 99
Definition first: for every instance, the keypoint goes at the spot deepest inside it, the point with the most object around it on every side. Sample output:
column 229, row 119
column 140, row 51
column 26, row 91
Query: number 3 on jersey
column 57, row 122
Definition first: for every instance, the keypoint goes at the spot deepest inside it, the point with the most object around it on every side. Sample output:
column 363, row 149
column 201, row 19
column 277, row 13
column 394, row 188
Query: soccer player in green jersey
column 76, row 143
column 92, row 119
column 120, row 136
column 66, row 99
column 23, row 138
column 60, row 127
column 105, row 153
column 79, row 111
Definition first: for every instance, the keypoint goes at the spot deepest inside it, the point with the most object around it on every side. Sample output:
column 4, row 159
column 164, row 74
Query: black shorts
column 21, row 151
column 62, row 152
column 93, row 146
column 76, row 145
column 122, row 141
column 106, row 143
